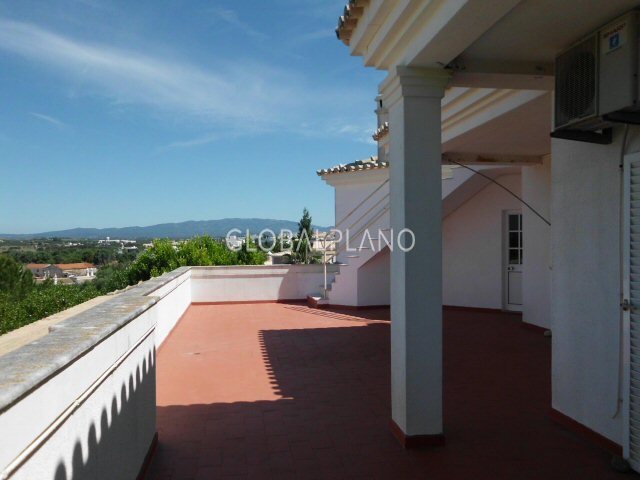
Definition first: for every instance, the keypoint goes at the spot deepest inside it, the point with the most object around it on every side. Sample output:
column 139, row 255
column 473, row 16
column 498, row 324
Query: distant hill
column 216, row 228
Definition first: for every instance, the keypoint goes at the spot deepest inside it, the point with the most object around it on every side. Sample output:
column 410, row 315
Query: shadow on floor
column 333, row 421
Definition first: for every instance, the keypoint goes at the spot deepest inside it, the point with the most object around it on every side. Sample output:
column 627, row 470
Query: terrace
column 248, row 382
column 285, row 391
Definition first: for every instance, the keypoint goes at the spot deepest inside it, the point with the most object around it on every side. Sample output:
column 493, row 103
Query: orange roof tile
column 74, row 266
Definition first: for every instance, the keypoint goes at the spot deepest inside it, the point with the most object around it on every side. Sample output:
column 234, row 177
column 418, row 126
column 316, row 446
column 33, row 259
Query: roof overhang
column 485, row 42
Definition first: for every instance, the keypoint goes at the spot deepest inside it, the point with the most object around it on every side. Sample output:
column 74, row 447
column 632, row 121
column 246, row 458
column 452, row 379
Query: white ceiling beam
column 428, row 33
column 502, row 81
column 403, row 22
column 373, row 17
column 466, row 158
column 453, row 27
column 496, row 105
column 496, row 74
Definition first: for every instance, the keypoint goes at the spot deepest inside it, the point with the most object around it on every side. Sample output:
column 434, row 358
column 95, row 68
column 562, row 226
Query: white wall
column 174, row 299
column 585, row 301
column 112, row 419
column 374, row 280
column 472, row 234
column 536, row 279
column 262, row 283
column 472, row 246
column 110, row 433
column 352, row 188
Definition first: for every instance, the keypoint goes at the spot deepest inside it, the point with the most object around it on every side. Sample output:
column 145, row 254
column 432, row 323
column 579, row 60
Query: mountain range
column 215, row 228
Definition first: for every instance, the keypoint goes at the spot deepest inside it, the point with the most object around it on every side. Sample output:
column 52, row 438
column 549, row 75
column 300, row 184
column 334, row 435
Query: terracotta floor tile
column 281, row 391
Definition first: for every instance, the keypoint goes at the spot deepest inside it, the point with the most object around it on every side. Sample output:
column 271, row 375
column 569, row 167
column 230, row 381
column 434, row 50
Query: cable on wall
column 520, row 199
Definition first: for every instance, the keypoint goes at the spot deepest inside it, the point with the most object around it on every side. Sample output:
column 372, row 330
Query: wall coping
column 25, row 369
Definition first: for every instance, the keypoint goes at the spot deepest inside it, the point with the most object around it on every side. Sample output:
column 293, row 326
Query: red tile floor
column 283, row 391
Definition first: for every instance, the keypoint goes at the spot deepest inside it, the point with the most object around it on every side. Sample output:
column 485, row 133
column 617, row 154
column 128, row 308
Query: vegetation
column 58, row 251
column 302, row 252
column 22, row 301
column 163, row 256
column 41, row 301
column 13, row 278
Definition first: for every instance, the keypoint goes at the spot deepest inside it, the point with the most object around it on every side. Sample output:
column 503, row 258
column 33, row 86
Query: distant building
column 110, row 240
column 44, row 270
column 61, row 270
column 83, row 269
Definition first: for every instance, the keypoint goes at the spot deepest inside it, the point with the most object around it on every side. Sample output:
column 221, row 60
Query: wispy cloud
column 49, row 119
column 93, row 4
column 231, row 18
column 359, row 132
column 195, row 142
column 316, row 35
column 237, row 97
column 240, row 92
column 317, row 8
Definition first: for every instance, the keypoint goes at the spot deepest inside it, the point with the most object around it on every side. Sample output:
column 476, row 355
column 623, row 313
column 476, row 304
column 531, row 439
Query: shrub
column 111, row 278
column 14, row 279
column 41, row 301
column 23, row 302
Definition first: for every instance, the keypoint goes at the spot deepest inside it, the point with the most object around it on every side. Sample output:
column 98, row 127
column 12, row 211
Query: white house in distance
column 484, row 84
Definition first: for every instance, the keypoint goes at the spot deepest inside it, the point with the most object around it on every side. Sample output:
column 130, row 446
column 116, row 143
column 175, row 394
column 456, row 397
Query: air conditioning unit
column 597, row 82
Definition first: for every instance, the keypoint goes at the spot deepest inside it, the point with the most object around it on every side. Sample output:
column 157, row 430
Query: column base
column 416, row 441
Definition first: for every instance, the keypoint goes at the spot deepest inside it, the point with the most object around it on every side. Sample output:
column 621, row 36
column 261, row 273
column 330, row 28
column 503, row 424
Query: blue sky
column 136, row 113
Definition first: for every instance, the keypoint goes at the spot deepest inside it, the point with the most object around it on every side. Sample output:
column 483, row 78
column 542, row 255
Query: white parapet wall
column 257, row 283
column 80, row 402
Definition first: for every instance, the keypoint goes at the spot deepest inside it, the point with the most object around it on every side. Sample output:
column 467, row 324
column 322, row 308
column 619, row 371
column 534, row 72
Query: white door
column 512, row 260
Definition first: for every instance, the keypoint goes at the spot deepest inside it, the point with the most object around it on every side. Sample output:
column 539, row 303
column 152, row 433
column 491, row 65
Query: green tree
column 112, row 277
column 205, row 251
column 161, row 257
column 250, row 254
column 304, row 225
column 302, row 243
column 14, row 279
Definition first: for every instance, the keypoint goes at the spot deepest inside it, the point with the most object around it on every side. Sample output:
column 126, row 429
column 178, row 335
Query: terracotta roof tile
column 349, row 20
column 381, row 131
column 74, row 266
column 370, row 163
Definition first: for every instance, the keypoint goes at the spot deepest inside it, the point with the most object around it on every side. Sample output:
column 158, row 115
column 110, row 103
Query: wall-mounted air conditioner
column 597, row 82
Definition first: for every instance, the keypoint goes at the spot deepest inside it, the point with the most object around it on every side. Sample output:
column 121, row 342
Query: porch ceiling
column 523, row 130
column 501, row 37
column 536, row 30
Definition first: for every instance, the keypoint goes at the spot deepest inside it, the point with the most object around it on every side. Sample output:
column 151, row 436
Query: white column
column 412, row 97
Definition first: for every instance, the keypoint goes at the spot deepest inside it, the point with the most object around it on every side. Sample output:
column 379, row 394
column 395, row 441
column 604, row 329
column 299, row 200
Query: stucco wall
column 175, row 298
column 536, row 280
column 262, row 283
column 585, row 310
column 472, row 244
column 472, row 247
column 352, row 189
column 374, row 280
column 111, row 423
column 99, row 368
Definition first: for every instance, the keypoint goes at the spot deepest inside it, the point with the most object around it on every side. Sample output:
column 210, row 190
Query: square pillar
column 412, row 97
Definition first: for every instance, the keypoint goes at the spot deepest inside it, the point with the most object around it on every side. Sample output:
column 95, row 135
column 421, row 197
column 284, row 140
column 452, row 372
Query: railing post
column 324, row 263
